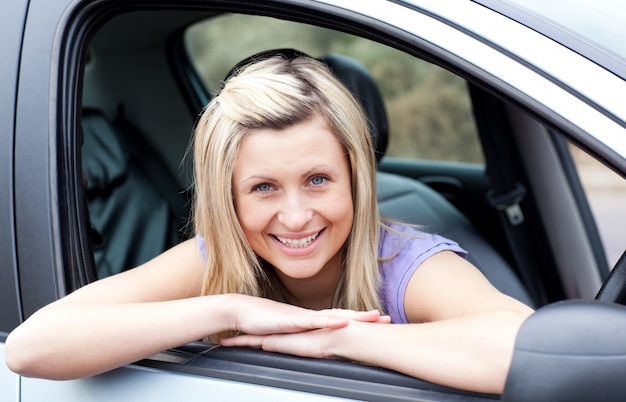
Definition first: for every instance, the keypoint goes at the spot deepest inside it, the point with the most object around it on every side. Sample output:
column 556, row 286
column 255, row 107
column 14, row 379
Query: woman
column 291, row 256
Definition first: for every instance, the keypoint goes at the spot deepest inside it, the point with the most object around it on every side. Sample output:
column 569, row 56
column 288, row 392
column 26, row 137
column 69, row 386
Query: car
column 500, row 124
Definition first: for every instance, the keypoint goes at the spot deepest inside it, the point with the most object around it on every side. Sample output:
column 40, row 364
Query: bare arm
column 131, row 310
column 463, row 333
column 124, row 318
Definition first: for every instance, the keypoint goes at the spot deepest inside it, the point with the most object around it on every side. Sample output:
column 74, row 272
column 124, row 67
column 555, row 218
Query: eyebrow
column 258, row 178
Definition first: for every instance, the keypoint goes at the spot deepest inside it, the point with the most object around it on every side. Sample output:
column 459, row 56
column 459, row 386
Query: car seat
column 134, row 202
column 413, row 202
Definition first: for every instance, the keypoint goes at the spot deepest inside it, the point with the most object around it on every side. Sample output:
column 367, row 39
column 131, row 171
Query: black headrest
column 286, row 53
column 357, row 78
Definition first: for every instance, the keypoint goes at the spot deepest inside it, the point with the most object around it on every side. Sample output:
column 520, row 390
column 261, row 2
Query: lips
column 297, row 242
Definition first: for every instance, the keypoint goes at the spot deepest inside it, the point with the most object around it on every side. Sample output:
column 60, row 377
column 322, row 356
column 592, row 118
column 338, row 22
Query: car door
column 11, row 28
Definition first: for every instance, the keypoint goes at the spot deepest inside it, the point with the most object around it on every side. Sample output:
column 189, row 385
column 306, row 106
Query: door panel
column 9, row 382
column 134, row 383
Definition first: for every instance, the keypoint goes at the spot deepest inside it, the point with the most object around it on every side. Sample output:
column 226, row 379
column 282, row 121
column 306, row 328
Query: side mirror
column 570, row 351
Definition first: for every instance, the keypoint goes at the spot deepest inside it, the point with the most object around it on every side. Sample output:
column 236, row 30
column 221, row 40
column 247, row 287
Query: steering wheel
column 614, row 288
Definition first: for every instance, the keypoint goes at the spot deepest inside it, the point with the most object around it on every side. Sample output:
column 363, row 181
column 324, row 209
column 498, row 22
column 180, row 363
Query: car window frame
column 602, row 56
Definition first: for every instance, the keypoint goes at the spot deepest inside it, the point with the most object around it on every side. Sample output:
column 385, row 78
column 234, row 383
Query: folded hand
column 280, row 327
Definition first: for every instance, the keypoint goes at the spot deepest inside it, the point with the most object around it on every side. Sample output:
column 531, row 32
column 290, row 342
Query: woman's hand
column 259, row 316
column 278, row 327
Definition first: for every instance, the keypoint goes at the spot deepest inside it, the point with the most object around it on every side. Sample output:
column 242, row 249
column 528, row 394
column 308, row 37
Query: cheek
column 253, row 216
column 341, row 211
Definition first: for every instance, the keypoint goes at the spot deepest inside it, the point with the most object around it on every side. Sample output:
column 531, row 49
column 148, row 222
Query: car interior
column 142, row 94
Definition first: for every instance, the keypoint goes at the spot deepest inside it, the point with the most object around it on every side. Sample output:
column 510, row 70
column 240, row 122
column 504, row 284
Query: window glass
column 606, row 192
column 428, row 107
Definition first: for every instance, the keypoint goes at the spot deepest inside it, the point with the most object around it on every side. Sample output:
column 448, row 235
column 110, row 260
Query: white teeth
column 297, row 243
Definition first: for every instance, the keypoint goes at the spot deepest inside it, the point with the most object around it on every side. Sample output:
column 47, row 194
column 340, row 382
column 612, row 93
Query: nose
column 295, row 211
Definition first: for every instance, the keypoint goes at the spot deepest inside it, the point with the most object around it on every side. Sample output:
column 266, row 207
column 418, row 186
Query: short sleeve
column 201, row 246
column 400, row 255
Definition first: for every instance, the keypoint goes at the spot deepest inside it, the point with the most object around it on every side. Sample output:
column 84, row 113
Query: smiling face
column 293, row 199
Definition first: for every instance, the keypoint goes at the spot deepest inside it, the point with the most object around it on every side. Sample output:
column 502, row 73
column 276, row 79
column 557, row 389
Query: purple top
column 408, row 250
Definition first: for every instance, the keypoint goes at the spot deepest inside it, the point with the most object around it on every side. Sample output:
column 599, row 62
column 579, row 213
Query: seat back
column 413, row 202
column 134, row 202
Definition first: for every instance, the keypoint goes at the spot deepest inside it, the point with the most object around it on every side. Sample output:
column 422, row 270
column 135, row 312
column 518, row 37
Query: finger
column 299, row 323
column 384, row 319
column 334, row 323
column 300, row 344
column 365, row 316
column 308, row 323
column 253, row 341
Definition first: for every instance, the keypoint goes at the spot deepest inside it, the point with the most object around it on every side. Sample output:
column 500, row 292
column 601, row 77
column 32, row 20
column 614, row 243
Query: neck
column 315, row 303
column 315, row 293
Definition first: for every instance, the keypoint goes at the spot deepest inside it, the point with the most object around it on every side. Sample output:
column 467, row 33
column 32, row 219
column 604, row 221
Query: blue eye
column 318, row 180
column 263, row 188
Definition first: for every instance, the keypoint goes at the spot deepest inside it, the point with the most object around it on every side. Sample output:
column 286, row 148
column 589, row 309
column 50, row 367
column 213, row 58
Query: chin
column 298, row 272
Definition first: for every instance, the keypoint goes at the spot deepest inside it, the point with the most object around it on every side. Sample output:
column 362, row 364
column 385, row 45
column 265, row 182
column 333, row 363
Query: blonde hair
column 277, row 93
